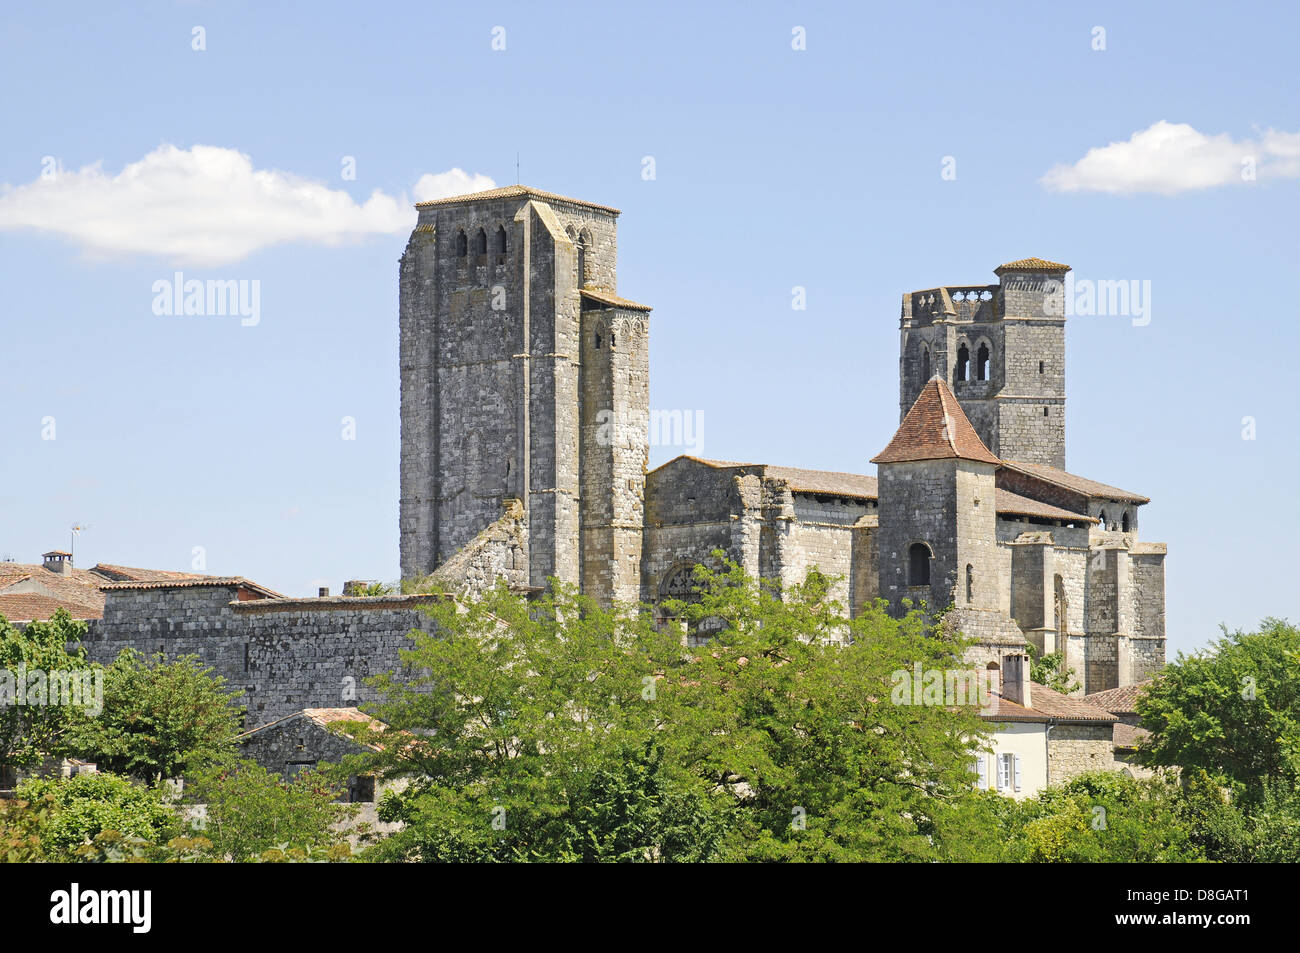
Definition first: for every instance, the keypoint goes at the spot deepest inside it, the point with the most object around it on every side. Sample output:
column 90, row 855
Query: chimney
column 56, row 560
column 354, row 587
column 1015, row 680
column 323, row 591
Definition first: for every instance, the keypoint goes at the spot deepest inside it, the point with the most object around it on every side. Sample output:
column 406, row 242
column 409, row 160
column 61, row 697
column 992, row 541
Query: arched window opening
column 598, row 339
column 462, row 245
column 1102, row 517
column 963, row 362
column 501, row 245
column 1123, row 522
column 982, row 363
column 995, row 676
column 925, row 364
column 582, row 261
column 970, row 583
column 918, row 565
column 480, row 243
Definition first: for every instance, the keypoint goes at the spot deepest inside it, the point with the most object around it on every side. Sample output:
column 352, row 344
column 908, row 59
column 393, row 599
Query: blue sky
column 774, row 168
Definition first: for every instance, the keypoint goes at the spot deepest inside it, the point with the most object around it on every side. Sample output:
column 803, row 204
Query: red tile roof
column 1013, row 504
column 1078, row 484
column 512, row 191
column 32, row 606
column 935, row 429
column 1128, row 737
column 1031, row 264
column 238, row 581
column 829, row 482
column 613, row 300
column 1048, row 705
column 1122, row 700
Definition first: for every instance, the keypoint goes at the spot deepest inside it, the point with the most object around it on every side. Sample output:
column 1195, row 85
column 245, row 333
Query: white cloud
column 1169, row 158
column 454, row 182
column 208, row 206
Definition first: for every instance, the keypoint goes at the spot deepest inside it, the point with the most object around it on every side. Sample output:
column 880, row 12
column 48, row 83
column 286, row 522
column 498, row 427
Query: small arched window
column 963, row 363
column 480, row 243
column 598, row 340
column 1123, row 522
column 982, row 363
column 925, row 364
column 501, row 239
column 970, row 583
column 462, row 245
column 582, row 261
column 1102, row 517
column 918, row 565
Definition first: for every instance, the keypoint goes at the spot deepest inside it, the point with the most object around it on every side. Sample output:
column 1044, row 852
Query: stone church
column 525, row 447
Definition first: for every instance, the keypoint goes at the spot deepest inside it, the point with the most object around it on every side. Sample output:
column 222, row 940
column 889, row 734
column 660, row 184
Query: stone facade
column 283, row 654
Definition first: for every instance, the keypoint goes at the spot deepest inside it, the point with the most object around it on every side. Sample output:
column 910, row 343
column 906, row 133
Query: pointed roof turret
column 935, row 429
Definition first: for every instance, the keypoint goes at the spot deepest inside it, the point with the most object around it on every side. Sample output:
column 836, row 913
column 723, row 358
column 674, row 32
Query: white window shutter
column 1002, row 772
column 1016, row 759
column 982, row 771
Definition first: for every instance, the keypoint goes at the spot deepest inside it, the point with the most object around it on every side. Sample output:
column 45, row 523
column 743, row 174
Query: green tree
column 1102, row 817
column 1050, row 670
column 32, row 732
column 245, row 810
column 160, row 718
column 1233, row 711
column 561, row 730
column 533, row 731
column 85, row 806
column 793, row 709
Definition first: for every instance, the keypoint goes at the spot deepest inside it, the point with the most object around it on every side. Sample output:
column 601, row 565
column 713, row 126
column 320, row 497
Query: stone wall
column 1073, row 750
column 283, row 655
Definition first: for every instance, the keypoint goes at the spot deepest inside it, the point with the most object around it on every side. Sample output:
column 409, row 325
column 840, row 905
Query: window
column 1044, row 411
column 982, row 363
column 598, row 339
column 963, row 362
column 582, row 260
column 1008, row 772
column 1123, row 523
column 1040, row 367
column 462, row 245
column 982, row 772
column 480, row 243
column 918, row 565
column 925, row 364
column 1102, row 516
column 970, row 582
column 501, row 245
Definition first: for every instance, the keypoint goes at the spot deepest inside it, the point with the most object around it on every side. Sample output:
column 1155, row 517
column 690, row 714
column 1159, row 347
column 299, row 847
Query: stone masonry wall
column 283, row 654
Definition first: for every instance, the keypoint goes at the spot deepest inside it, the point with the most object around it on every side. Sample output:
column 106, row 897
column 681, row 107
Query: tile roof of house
column 1089, row 488
column 1048, row 705
column 323, row 718
column 1122, row 700
column 33, row 606
column 828, row 482
column 132, row 574
column 1031, row 264
column 1014, row 504
column 199, row 581
column 935, row 429
column 609, row 298
column 512, row 191
column 1128, row 737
